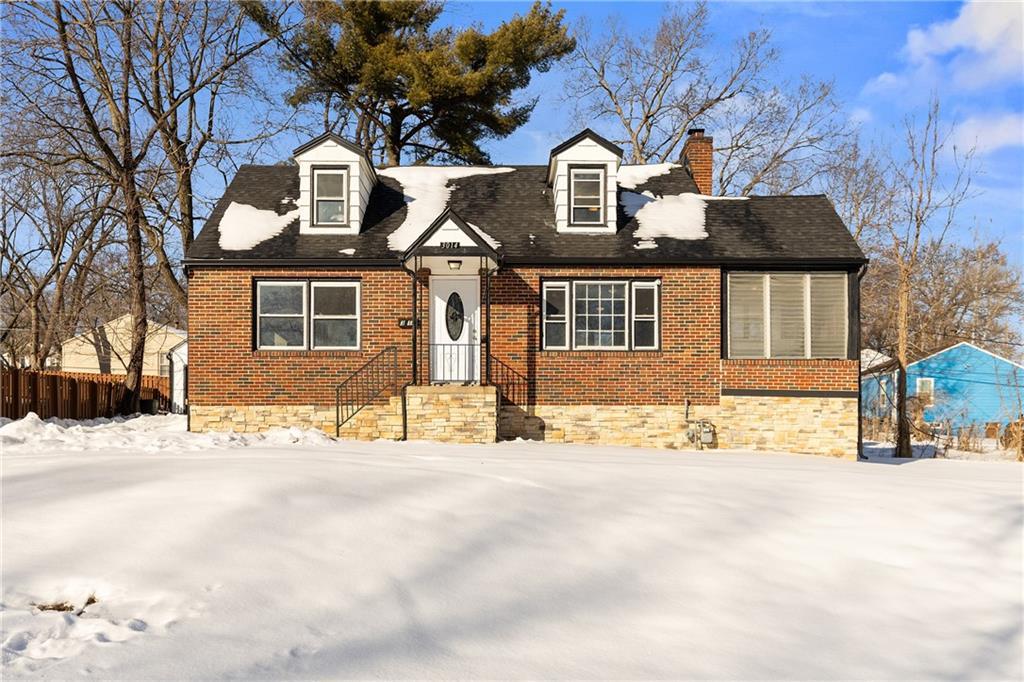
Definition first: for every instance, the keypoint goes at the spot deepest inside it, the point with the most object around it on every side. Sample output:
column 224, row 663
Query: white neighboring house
column 105, row 348
column 177, row 358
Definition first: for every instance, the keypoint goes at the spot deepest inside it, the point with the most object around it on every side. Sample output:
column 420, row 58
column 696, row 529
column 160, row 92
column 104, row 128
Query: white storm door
column 455, row 329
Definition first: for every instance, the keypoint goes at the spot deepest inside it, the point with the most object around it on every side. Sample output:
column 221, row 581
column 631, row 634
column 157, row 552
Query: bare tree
column 55, row 224
column 652, row 87
column 85, row 72
column 925, row 210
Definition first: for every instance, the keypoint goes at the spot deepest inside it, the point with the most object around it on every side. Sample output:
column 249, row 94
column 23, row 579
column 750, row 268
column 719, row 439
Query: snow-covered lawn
column 292, row 556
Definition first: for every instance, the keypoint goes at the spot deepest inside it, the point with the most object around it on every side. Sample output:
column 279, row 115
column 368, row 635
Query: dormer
column 335, row 181
column 582, row 175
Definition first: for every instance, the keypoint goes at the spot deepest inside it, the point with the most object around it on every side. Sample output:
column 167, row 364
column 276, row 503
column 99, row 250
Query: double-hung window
column 556, row 315
column 787, row 315
column 586, row 203
column 329, row 196
column 300, row 315
column 335, row 312
column 281, row 314
column 601, row 315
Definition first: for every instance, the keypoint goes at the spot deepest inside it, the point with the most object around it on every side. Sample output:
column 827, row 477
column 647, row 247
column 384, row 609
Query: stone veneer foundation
column 452, row 414
column 380, row 420
column 807, row 425
column 470, row 414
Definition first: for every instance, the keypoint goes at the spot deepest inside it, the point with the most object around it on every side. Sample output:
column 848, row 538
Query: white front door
column 455, row 329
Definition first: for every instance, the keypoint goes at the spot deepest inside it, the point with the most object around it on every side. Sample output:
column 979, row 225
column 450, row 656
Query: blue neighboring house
column 962, row 384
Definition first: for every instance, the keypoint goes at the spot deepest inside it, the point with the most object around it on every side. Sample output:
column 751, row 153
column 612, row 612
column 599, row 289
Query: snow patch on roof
column 488, row 239
column 426, row 196
column 870, row 357
column 629, row 177
column 244, row 226
column 675, row 216
column 346, row 252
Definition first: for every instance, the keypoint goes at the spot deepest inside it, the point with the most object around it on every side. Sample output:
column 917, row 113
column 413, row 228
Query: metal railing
column 513, row 388
column 454, row 362
column 365, row 385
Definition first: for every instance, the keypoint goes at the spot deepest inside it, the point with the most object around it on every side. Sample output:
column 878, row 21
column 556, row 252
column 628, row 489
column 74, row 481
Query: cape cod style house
column 583, row 300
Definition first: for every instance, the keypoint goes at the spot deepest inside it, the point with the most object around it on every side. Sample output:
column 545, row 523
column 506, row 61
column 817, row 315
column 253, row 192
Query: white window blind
column 746, row 315
column 828, row 315
column 788, row 326
column 787, row 315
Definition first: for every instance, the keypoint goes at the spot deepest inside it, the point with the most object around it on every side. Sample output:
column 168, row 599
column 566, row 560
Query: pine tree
column 437, row 94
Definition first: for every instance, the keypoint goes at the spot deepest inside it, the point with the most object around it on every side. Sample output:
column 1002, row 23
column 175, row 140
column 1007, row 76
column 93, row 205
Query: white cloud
column 989, row 133
column 982, row 46
column 861, row 115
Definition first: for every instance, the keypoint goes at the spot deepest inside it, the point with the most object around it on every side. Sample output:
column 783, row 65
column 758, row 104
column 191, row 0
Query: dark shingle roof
column 516, row 209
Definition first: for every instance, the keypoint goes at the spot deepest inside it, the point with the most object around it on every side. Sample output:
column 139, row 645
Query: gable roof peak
column 584, row 134
column 333, row 137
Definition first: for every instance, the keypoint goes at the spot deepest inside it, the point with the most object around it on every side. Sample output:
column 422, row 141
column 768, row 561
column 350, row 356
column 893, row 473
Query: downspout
column 415, row 335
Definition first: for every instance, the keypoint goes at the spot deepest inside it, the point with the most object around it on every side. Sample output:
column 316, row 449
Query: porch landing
column 452, row 413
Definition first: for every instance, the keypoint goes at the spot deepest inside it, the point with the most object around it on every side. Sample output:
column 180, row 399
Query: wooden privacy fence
column 71, row 395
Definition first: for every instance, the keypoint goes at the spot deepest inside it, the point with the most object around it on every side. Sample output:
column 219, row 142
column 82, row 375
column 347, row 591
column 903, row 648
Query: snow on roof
column 244, row 226
column 491, row 241
column 869, row 357
column 426, row 196
column 629, row 177
column 676, row 216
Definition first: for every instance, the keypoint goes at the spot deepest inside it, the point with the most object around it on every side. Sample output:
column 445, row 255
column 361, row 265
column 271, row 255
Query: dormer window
column 330, row 192
column 586, row 196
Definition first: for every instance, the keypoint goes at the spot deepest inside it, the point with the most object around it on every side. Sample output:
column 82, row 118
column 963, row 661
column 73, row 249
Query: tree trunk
column 903, row 448
column 137, row 296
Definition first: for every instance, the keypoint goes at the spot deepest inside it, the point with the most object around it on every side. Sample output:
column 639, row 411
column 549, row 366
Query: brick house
column 583, row 301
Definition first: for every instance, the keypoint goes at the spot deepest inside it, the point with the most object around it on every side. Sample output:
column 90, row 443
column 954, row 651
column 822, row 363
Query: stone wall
column 380, row 420
column 452, row 414
column 811, row 425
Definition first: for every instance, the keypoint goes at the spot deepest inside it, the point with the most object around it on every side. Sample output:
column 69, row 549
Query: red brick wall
column 687, row 366
column 792, row 375
column 225, row 370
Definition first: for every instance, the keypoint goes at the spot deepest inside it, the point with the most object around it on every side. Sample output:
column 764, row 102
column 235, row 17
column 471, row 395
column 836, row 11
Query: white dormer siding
column 325, row 154
column 585, row 154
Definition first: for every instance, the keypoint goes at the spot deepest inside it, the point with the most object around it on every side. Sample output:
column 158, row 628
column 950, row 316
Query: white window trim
column 259, row 313
column 602, row 182
column 767, row 317
column 655, row 317
column 564, row 286
column 313, row 286
column 316, row 172
column 930, row 393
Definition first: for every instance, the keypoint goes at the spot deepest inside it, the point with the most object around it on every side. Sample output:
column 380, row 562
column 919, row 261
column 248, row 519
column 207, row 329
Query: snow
column 346, row 252
column 675, row 216
column 630, row 177
column 243, row 226
column 216, row 556
column 426, row 193
column 488, row 239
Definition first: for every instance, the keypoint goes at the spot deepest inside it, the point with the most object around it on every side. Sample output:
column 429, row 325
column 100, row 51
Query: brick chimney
column 697, row 156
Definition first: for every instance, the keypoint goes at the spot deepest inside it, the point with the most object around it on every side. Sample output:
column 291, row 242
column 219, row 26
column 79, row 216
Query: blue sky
column 885, row 59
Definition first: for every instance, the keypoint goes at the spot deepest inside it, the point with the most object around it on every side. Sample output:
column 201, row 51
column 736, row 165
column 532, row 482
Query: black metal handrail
column 454, row 362
column 365, row 385
column 513, row 388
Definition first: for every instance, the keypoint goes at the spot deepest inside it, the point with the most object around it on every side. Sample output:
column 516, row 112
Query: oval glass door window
column 455, row 316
